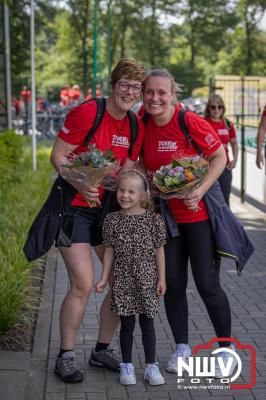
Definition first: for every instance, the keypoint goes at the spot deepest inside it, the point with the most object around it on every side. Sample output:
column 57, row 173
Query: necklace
column 118, row 129
column 116, row 137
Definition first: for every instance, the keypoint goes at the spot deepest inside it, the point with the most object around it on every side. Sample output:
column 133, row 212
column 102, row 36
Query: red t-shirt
column 112, row 134
column 65, row 95
column 264, row 111
column 25, row 95
column 162, row 142
column 75, row 94
column 224, row 133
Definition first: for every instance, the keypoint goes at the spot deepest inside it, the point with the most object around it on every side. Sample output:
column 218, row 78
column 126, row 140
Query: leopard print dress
column 134, row 239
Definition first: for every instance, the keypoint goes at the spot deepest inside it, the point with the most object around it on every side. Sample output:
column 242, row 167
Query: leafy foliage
column 194, row 39
column 19, row 204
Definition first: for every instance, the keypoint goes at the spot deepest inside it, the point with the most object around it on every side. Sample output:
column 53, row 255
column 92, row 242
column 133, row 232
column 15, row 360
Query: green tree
column 250, row 13
column 81, row 23
column 204, row 33
column 20, row 36
column 20, row 43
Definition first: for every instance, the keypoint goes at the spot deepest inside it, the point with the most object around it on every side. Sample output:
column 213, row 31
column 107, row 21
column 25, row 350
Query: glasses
column 125, row 86
column 214, row 107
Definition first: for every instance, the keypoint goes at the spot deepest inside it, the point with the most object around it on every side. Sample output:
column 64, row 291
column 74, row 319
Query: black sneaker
column 66, row 369
column 108, row 358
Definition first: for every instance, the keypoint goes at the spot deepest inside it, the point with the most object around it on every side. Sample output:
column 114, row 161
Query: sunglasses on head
column 214, row 107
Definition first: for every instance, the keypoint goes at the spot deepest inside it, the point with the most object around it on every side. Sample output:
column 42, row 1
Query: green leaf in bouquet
column 182, row 162
column 175, row 163
column 109, row 155
column 171, row 182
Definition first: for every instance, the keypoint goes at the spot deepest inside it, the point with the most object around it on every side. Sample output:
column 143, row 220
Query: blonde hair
column 133, row 173
column 176, row 89
column 214, row 97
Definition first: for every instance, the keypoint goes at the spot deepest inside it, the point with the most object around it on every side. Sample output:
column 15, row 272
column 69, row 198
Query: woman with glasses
column 195, row 241
column 215, row 115
column 113, row 133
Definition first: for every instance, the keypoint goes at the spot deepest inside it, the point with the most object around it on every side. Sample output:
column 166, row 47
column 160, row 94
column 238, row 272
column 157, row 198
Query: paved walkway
column 26, row 377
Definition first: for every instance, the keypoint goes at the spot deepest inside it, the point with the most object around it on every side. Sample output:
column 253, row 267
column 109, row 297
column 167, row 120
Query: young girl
column 134, row 240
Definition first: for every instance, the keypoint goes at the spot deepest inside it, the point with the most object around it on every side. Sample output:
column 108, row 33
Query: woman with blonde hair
column 215, row 115
column 195, row 242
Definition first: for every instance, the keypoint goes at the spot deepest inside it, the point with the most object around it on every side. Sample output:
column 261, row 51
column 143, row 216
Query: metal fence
column 48, row 122
column 244, row 98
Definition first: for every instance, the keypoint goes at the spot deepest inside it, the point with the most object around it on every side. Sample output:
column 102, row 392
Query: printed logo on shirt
column 65, row 130
column 223, row 132
column 121, row 141
column 210, row 140
column 166, row 145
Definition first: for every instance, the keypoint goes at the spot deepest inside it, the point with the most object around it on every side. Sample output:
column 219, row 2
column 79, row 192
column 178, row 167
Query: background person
column 113, row 133
column 163, row 139
column 75, row 95
column 215, row 115
column 134, row 239
column 25, row 97
column 260, row 159
column 17, row 106
column 89, row 94
column 98, row 90
column 65, row 95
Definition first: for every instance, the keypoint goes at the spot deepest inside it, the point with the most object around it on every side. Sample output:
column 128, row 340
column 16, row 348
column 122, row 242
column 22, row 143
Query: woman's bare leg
column 79, row 264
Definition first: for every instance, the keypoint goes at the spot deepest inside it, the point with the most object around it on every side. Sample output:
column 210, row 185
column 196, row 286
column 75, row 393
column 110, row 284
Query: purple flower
column 175, row 171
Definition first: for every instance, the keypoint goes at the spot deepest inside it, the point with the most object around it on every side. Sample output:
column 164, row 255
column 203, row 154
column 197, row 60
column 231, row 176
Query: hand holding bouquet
column 180, row 177
column 92, row 168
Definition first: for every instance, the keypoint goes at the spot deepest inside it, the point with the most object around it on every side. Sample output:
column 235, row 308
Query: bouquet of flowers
column 93, row 167
column 180, row 177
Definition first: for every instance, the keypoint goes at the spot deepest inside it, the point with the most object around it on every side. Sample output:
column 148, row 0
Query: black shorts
column 84, row 227
column 84, row 224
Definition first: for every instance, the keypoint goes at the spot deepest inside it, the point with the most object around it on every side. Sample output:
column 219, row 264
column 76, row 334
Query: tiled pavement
column 247, row 296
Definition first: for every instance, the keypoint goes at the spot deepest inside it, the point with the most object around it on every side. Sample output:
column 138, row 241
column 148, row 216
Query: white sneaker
column 226, row 358
column 127, row 374
column 153, row 375
column 182, row 350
